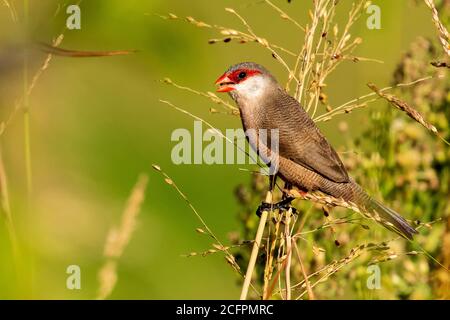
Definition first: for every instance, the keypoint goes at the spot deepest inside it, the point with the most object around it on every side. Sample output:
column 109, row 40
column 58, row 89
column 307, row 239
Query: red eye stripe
column 235, row 75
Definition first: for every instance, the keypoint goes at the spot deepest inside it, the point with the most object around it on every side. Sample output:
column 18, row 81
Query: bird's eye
column 242, row 75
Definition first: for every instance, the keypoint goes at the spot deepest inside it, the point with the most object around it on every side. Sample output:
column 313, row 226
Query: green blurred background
column 97, row 123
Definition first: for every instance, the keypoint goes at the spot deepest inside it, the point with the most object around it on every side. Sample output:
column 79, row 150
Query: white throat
column 253, row 87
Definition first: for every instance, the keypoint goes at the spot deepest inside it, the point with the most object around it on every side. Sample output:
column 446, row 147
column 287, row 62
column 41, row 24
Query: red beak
column 225, row 84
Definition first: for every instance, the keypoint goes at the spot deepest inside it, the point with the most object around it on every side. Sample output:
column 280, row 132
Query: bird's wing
column 301, row 141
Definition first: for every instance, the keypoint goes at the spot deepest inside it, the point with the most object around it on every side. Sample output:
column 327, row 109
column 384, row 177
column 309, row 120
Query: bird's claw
column 264, row 206
column 283, row 205
column 286, row 207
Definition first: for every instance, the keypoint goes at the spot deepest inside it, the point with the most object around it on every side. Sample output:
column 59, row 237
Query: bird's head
column 246, row 80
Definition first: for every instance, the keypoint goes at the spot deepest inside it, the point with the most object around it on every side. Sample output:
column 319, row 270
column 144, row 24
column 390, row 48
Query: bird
column 306, row 160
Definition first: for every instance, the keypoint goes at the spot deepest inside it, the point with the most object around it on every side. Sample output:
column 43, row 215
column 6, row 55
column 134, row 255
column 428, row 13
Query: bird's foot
column 283, row 205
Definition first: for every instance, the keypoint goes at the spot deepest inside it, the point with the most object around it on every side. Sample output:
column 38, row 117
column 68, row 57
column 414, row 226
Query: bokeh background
column 96, row 124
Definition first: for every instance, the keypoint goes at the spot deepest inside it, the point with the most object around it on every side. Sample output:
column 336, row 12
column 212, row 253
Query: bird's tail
column 390, row 219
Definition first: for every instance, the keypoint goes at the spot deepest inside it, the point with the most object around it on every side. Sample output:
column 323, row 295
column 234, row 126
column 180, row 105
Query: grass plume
column 119, row 237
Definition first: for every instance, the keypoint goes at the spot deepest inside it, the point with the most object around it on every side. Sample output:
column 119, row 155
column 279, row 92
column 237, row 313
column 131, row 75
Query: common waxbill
column 305, row 158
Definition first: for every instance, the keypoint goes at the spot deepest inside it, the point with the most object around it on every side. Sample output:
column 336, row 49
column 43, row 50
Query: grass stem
column 256, row 245
column 26, row 104
column 287, row 271
column 27, row 150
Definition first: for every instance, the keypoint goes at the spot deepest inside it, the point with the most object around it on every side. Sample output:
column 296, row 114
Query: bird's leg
column 283, row 205
column 286, row 189
column 264, row 206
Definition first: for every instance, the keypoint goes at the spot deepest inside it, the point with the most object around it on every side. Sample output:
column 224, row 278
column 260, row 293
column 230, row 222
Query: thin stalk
column 26, row 104
column 287, row 271
column 256, row 245
column 308, row 285
column 6, row 209
column 268, row 270
column 27, row 146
